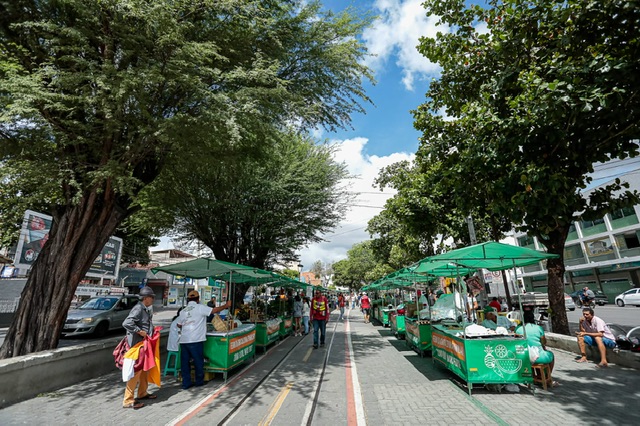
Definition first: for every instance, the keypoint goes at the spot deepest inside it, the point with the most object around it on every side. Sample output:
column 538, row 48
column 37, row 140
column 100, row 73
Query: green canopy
column 211, row 268
column 442, row 268
column 492, row 256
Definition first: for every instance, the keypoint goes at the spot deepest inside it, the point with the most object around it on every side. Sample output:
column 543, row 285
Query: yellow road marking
column 277, row 404
column 307, row 356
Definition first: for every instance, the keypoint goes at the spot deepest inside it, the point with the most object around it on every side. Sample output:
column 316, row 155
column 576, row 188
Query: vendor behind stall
column 192, row 322
column 493, row 320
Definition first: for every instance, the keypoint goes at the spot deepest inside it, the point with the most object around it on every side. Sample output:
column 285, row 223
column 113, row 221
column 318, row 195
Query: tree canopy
column 535, row 92
column 98, row 97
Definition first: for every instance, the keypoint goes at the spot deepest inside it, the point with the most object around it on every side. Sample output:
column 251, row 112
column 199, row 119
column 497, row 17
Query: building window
column 590, row 223
column 573, row 252
column 625, row 212
column 525, row 241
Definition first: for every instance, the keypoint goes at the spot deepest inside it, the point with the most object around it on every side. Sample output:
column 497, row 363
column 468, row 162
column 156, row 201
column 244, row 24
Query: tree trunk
column 77, row 235
column 555, row 268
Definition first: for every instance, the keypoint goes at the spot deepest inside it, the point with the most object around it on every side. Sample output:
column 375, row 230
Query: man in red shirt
column 341, row 305
column 365, row 304
column 495, row 304
column 319, row 317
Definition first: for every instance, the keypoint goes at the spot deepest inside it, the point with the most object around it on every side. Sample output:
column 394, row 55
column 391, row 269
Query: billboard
column 35, row 233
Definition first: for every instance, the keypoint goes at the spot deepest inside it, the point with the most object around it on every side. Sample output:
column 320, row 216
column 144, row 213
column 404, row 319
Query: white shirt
column 502, row 322
column 194, row 322
column 173, row 342
column 305, row 309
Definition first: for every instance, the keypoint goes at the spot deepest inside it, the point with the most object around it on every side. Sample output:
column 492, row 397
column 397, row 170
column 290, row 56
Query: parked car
column 569, row 303
column 629, row 297
column 98, row 315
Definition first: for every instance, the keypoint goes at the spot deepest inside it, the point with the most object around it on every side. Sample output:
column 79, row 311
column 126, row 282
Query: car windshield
column 99, row 303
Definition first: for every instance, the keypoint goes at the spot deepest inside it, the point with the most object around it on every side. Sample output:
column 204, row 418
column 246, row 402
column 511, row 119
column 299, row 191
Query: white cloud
column 368, row 203
column 397, row 32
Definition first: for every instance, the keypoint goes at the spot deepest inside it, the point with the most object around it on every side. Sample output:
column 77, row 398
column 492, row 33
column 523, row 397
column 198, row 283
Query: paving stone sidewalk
column 400, row 387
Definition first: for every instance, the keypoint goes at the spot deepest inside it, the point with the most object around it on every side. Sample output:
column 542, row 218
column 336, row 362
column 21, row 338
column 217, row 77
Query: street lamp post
column 300, row 266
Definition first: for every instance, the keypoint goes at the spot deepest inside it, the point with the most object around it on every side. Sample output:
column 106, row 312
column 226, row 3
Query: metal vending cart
column 225, row 350
column 481, row 358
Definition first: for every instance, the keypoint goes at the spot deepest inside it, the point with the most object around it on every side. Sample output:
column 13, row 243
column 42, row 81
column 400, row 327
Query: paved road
column 369, row 371
column 612, row 314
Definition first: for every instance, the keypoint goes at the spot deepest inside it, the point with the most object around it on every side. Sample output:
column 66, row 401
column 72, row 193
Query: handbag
column 119, row 351
column 534, row 354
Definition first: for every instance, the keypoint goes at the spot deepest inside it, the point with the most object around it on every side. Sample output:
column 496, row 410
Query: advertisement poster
column 35, row 233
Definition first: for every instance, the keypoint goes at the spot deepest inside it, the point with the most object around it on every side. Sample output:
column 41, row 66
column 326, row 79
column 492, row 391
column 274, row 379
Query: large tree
column 96, row 97
column 535, row 93
column 255, row 210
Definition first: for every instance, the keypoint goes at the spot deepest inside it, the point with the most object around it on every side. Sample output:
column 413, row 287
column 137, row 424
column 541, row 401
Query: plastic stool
column 542, row 375
column 176, row 363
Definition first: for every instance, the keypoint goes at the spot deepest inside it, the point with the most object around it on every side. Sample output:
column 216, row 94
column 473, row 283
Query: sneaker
column 315, row 346
column 321, row 344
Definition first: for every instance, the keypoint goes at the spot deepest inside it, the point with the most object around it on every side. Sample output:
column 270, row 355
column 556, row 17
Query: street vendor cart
column 225, row 350
column 397, row 322
column 485, row 360
column 267, row 332
column 474, row 353
column 418, row 335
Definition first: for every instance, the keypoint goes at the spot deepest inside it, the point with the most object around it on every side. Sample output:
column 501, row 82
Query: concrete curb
column 570, row 344
column 28, row 376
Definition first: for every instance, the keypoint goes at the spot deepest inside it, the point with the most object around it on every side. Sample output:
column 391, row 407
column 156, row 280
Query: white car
column 569, row 303
column 629, row 297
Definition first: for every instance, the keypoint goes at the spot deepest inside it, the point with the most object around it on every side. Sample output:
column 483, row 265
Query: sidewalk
column 397, row 386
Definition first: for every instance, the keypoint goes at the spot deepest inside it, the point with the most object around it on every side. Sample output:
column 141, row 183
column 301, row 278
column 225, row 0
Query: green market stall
column 225, row 350
column 286, row 326
column 267, row 332
column 482, row 359
column 397, row 322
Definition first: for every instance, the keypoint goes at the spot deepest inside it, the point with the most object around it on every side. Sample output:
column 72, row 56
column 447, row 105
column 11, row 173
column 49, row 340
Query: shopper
column 192, row 322
column 320, row 317
column 365, row 304
column 139, row 325
column 306, row 310
column 297, row 314
column 341, row 305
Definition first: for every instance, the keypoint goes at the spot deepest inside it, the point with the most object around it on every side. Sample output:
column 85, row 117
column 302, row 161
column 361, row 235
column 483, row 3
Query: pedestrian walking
column 297, row 314
column 319, row 317
column 193, row 326
column 306, row 310
column 341, row 305
column 365, row 304
column 139, row 325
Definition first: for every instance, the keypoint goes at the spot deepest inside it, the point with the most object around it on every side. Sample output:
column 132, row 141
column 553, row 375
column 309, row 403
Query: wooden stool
column 542, row 375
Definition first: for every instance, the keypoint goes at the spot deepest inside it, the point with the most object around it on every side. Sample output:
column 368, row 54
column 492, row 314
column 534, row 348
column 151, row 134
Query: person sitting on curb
column 594, row 332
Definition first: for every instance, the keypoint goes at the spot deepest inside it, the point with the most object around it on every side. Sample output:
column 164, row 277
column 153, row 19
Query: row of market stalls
column 444, row 328
column 233, row 341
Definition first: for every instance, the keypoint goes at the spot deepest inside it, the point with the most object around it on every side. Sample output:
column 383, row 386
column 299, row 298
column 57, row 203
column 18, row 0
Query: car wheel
column 101, row 329
column 620, row 303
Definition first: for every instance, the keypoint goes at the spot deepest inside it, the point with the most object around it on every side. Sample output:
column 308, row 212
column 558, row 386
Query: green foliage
column 359, row 268
column 533, row 100
column 255, row 210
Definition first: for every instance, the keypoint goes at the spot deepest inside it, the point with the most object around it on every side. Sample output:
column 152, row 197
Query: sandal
column 147, row 396
column 135, row 405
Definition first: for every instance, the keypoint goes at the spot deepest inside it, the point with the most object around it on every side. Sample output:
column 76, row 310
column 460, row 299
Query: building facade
column 603, row 254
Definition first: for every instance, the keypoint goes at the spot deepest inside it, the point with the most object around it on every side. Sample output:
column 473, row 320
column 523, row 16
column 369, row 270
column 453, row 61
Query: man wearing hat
column 138, row 326
column 365, row 304
column 492, row 320
column 193, row 323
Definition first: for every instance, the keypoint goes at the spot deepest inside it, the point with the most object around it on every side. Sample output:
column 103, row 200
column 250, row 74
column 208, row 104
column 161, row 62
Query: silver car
column 569, row 303
column 98, row 315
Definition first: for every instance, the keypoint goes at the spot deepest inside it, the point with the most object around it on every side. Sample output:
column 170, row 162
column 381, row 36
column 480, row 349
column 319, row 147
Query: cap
column 193, row 295
column 364, row 293
column 147, row 291
column 489, row 309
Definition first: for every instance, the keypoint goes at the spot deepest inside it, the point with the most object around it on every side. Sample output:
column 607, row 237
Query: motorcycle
column 589, row 303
